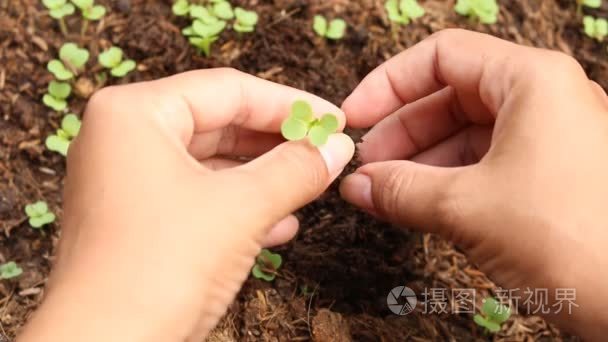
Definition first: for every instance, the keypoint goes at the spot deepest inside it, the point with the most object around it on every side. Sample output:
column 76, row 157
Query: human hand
column 162, row 218
column 505, row 149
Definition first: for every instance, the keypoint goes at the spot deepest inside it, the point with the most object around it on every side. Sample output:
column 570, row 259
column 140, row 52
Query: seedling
column 302, row 123
column 484, row 10
column 245, row 20
column 334, row 30
column 493, row 315
column 180, row 8
column 58, row 9
column 587, row 3
column 222, row 9
column 57, row 94
column 113, row 60
column 71, row 60
column 266, row 265
column 595, row 28
column 90, row 12
column 39, row 214
column 204, row 33
column 60, row 141
column 403, row 11
column 10, row 270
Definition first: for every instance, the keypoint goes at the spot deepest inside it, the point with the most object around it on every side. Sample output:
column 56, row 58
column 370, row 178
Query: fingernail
column 357, row 189
column 336, row 153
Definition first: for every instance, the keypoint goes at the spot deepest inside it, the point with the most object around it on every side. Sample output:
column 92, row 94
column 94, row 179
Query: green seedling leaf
column 394, row 13
column 70, row 125
column 495, row 311
column 59, row 70
column 223, row 10
column 208, row 30
column 411, row 9
column 10, row 270
column 336, row 29
column 267, row 265
column 243, row 28
column 245, row 17
column 72, row 55
column 62, row 11
column 180, row 8
column 329, row 123
column 589, row 26
column 601, row 29
column 94, row 13
column 82, row 4
column 123, row 68
column 58, row 144
column 301, row 110
column 53, row 4
column 319, row 25
column 59, row 90
column 485, row 10
column 592, row 3
column 293, row 129
column 463, row 7
column 489, row 325
column 203, row 44
column 203, row 14
column 110, row 58
column 318, row 136
column 54, row 103
column 39, row 214
column 188, row 31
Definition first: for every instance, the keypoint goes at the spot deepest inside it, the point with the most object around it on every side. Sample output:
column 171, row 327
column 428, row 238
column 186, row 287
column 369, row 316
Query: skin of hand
column 499, row 148
column 163, row 217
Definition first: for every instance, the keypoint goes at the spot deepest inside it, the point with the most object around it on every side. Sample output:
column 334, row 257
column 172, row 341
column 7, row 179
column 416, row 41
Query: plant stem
column 63, row 27
column 85, row 26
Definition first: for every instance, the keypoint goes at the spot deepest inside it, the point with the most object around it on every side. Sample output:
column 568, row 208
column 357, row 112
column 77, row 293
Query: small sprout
column 180, row 8
column 587, row 3
column 335, row 30
column 245, row 20
column 266, row 265
column 595, row 28
column 203, row 35
column 57, row 94
column 10, row 270
column 223, row 10
column 71, row 59
column 403, row 11
column 60, row 141
column 39, row 214
column 485, row 10
column 113, row 60
column 58, row 9
column 493, row 315
column 203, row 14
column 89, row 10
column 302, row 123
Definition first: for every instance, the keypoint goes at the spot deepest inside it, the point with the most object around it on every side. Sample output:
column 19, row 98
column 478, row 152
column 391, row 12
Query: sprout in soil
column 204, row 32
column 89, row 11
column 60, row 141
column 493, row 315
column 595, row 28
column 180, row 8
column 112, row 59
column 245, row 20
column 266, row 265
column 71, row 60
column 334, row 30
column 39, row 214
column 58, row 9
column 587, row 3
column 403, row 11
column 484, row 10
column 302, row 123
column 222, row 9
column 57, row 94
column 10, row 270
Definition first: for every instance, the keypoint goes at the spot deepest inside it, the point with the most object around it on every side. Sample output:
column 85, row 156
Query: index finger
column 472, row 63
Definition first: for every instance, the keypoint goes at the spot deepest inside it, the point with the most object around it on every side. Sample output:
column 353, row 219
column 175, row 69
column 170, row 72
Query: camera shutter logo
column 407, row 303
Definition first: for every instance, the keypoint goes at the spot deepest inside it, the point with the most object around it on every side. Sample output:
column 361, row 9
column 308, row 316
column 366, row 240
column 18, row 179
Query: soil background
column 339, row 270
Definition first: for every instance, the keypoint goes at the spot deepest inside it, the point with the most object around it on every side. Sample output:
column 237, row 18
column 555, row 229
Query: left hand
column 163, row 218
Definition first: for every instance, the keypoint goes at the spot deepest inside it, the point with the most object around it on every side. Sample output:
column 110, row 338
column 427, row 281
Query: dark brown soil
column 339, row 270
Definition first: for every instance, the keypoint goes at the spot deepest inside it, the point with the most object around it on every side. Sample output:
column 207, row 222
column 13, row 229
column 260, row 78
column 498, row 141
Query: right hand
column 500, row 148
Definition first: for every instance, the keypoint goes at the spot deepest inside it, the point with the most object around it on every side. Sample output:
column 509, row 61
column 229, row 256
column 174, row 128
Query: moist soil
column 338, row 271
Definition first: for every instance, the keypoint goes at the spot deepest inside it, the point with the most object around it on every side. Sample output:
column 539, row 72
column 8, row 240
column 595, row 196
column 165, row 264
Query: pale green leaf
column 44, row 219
column 71, row 54
column 243, row 28
column 203, row 14
column 495, row 311
column 188, row 31
column 59, row 90
column 301, row 110
column 245, row 17
column 293, row 129
column 53, row 4
column 180, row 8
column 62, row 11
column 10, row 270
column 318, row 135
column 336, row 29
column 257, row 272
column 111, row 58
column 592, row 3
column 57, row 144
column 319, row 25
column 463, row 7
column 94, row 13
column 411, row 9
column 601, row 28
column 82, row 4
column 123, row 68
column 70, row 124
column 54, row 103
column 208, row 30
column 223, row 10
column 589, row 26
column 329, row 122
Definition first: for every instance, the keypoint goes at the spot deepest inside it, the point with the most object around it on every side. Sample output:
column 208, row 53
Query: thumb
column 405, row 193
column 290, row 176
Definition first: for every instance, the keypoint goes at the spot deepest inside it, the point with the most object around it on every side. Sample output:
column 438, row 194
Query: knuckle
column 390, row 190
column 554, row 62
